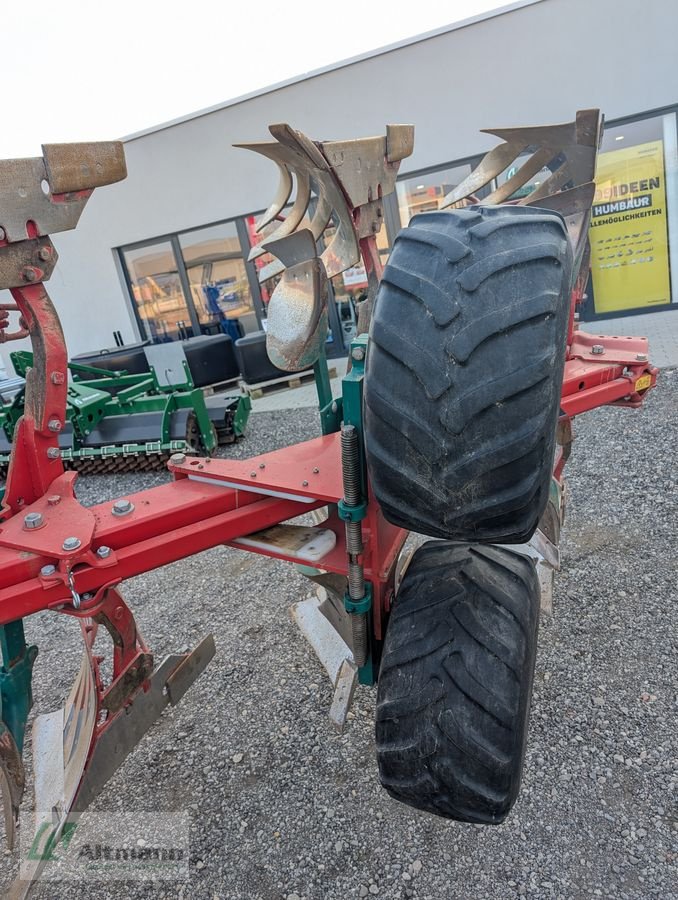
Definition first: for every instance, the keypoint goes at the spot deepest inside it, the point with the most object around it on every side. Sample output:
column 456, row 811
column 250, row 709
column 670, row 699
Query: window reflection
column 218, row 280
column 157, row 293
column 425, row 193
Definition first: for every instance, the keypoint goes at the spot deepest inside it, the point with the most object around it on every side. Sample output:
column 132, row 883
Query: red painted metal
column 309, row 470
column 31, row 469
column 620, row 375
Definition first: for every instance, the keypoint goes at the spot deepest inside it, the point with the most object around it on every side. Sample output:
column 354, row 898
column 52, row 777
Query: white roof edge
column 342, row 64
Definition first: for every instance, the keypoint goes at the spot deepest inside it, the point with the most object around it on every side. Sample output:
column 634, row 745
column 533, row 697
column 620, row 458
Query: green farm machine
column 119, row 422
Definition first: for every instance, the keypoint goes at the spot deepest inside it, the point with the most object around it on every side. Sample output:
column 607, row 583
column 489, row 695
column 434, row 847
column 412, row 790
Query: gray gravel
column 283, row 807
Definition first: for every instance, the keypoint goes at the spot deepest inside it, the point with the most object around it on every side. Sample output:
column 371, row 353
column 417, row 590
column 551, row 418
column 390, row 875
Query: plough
column 453, row 421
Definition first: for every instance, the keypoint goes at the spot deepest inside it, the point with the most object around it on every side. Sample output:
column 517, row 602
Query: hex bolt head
column 53, row 499
column 358, row 354
column 53, row 453
column 178, row 459
column 33, row 520
column 30, row 274
column 316, row 470
column 641, row 357
column 262, row 465
column 122, row 507
column 54, row 425
column 253, row 474
column 103, row 552
column 71, row 543
column 45, row 253
column 57, row 378
column 304, row 483
column 48, row 570
column 598, row 349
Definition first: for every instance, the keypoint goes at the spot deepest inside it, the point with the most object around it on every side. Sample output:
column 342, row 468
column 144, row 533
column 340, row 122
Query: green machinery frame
column 119, row 394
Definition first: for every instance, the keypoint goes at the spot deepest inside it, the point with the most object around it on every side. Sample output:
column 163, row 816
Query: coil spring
column 359, row 635
column 354, row 538
column 350, row 464
column 356, row 581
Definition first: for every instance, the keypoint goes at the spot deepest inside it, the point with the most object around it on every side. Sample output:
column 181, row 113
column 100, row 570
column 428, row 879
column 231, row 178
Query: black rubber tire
column 464, row 370
column 455, row 681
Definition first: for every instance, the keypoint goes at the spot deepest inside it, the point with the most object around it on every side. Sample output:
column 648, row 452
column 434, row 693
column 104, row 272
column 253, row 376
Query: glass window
column 218, row 280
column 634, row 224
column 525, row 189
column 424, row 193
column 156, row 290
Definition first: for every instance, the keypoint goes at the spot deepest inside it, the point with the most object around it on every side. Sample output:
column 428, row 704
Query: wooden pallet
column 284, row 383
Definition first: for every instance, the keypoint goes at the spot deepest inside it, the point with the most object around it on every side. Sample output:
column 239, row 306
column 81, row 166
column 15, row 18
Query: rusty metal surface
column 350, row 179
column 81, row 167
column 25, row 262
column 297, row 317
column 567, row 150
column 51, row 193
column 294, row 154
column 12, row 781
column 399, row 142
column 167, row 685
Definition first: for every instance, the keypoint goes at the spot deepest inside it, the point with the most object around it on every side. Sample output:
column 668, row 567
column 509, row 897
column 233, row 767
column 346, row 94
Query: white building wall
column 535, row 64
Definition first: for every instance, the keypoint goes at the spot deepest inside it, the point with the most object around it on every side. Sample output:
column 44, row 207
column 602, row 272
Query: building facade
column 164, row 254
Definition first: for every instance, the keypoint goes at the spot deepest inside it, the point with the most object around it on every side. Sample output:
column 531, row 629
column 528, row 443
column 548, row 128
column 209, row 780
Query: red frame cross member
column 210, row 502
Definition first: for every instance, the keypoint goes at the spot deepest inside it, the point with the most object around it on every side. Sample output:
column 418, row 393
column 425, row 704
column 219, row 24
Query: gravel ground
column 284, row 808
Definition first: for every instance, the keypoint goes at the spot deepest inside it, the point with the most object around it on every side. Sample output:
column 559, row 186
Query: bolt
column 103, row 552
column 304, row 483
column 122, row 507
column 641, row 357
column 358, row 353
column 57, row 377
column 53, row 453
column 87, row 596
column 45, row 253
column 53, row 499
column 48, row 570
column 33, row 520
column 253, row 474
column 597, row 349
column 316, row 470
column 262, row 465
column 54, row 425
column 30, row 274
column 71, row 543
column 178, row 459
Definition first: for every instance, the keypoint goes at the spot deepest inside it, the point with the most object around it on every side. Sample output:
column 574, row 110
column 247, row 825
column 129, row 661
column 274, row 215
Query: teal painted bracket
column 352, row 396
column 330, row 408
column 16, row 673
column 351, row 513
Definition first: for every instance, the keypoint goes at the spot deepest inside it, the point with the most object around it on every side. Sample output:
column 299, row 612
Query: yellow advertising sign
column 629, row 241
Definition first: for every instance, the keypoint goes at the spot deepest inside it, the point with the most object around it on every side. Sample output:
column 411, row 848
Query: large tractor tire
column 464, row 371
column 455, row 681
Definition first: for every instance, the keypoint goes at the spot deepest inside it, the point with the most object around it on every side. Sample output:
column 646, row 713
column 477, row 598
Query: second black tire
column 464, row 371
column 455, row 682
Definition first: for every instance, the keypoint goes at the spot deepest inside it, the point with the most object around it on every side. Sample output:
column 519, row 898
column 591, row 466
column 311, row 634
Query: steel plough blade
column 74, row 754
column 297, row 312
column 12, row 780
